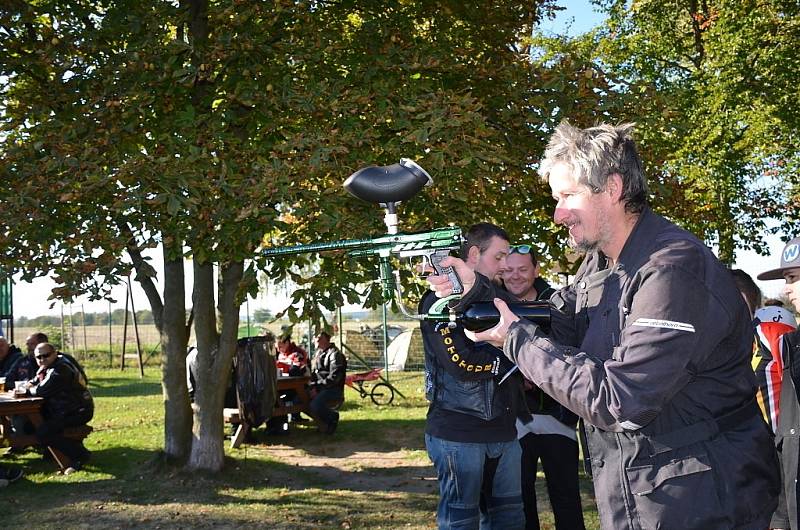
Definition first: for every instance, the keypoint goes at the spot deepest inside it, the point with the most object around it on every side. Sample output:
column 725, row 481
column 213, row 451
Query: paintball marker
column 388, row 186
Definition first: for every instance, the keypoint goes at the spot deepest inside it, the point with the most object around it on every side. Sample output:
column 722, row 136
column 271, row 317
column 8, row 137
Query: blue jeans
column 319, row 405
column 479, row 484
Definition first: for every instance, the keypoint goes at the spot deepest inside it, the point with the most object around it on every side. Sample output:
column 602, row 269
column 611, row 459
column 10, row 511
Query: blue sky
column 579, row 16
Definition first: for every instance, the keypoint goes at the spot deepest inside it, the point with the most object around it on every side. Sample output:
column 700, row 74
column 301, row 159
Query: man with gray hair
column 650, row 346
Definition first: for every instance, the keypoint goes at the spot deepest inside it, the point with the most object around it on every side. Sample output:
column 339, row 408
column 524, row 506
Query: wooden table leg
column 240, row 434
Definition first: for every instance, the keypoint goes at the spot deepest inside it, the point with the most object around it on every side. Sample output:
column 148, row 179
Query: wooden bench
column 73, row 433
column 21, row 441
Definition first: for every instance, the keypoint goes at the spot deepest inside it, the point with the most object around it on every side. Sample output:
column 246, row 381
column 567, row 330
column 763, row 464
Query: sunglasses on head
column 520, row 249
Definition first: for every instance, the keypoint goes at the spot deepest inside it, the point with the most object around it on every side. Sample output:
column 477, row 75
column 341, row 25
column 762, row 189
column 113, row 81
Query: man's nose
column 560, row 213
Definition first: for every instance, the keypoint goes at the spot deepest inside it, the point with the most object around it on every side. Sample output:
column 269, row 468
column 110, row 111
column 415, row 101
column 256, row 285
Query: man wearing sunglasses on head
column 650, row 345
column 550, row 436
column 68, row 403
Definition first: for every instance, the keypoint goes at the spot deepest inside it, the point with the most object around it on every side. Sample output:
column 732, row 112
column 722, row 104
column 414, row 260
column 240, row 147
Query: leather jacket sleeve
column 458, row 355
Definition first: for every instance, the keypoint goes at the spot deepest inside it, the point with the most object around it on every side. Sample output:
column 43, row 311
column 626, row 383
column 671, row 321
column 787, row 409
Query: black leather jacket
column 329, row 368
column 63, row 387
column 461, row 376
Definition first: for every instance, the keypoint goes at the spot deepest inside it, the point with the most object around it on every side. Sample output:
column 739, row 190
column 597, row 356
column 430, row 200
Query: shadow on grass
column 352, row 435
column 142, row 494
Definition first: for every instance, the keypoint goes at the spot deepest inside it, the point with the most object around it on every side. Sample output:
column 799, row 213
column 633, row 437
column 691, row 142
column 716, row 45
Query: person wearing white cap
column 787, row 435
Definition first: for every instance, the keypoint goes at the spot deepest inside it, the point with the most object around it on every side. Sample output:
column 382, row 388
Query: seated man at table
column 9, row 354
column 25, row 367
column 328, row 371
column 68, row 403
column 292, row 359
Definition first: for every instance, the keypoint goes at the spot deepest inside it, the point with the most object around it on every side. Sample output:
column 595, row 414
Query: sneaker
column 329, row 428
column 76, row 466
column 298, row 418
column 9, row 475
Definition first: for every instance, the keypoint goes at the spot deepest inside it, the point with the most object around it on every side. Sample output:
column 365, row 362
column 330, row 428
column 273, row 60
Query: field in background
column 98, row 341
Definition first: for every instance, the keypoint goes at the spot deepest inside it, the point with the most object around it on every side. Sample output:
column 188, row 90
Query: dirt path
column 358, row 467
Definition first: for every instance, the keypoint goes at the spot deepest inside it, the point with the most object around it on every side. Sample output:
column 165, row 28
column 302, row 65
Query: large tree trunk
column 214, row 360
column 174, row 342
column 170, row 320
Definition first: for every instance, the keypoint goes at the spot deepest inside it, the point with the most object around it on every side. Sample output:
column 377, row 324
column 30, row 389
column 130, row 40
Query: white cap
column 774, row 313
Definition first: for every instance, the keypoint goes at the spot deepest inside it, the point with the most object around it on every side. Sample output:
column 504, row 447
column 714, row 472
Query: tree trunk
column 214, row 360
column 174, row 342
column 169, row 317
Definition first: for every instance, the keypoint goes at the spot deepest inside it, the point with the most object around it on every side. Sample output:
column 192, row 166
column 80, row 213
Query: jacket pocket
column 679, row 493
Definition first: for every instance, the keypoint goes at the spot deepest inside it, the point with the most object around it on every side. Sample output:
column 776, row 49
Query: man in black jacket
column 470, row 431
column 328, row 372
column 68, row 403
column 650, row 345
column 9, row 354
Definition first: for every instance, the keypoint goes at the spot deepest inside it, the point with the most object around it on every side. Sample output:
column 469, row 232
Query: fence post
column 110, row 346
column 63, row 342
column 83, row 320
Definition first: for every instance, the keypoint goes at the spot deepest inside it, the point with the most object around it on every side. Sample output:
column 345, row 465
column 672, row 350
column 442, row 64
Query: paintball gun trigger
column 435, row 258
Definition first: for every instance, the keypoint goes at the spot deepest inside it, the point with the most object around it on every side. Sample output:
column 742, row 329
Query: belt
column 703, row 430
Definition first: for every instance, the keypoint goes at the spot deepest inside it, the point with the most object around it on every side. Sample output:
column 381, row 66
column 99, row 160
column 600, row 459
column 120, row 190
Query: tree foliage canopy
column 713, row 88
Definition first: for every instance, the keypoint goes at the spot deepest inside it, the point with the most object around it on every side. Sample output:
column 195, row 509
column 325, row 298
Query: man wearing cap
column 787, row 436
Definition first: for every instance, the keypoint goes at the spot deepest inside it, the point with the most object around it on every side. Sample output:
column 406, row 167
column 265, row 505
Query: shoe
column 16, row 451
column 76, row 466
column 298, row 418
column 329, row 428
column 9, row 475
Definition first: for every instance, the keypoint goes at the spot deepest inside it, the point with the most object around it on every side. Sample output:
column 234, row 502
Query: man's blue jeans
column 319, row 405
column 479, row 484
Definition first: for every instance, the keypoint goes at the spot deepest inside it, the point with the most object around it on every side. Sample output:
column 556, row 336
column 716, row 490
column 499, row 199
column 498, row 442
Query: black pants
column 559, row 456
column 51, row 431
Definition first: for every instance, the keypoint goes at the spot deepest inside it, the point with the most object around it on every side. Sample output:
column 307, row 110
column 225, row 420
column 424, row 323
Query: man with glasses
column 650, row 346
column 68, row 403
column 550, row 436
column 470, row 433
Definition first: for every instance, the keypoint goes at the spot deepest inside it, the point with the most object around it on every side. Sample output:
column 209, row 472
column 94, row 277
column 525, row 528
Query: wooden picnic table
column 301, row 400
column 300, row 403
column 30, row 408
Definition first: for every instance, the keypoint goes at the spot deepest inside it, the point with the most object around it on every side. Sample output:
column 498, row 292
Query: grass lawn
column 373, row 473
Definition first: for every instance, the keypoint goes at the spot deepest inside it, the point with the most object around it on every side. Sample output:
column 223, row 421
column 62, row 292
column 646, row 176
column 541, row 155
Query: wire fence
column 105, row 344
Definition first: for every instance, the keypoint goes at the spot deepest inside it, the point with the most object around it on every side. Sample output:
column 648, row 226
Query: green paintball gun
column 388, row 186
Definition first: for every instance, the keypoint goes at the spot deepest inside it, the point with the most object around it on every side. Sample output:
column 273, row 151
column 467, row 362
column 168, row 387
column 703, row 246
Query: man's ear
column 614, row 186
column 473, row 254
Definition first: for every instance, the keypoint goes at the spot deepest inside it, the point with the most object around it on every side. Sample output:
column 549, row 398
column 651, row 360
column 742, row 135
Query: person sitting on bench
column 329, row 368
column 68, row 403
